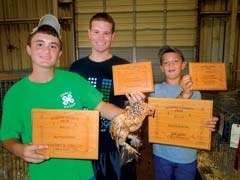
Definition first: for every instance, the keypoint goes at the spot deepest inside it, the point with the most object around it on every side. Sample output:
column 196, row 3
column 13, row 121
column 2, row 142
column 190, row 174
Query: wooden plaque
column 133, row 77
column 68, row 133
column 180, row 122
column 208, row 76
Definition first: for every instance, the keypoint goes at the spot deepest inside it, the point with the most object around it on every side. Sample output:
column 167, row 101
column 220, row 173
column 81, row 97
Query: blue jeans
column 167, row 170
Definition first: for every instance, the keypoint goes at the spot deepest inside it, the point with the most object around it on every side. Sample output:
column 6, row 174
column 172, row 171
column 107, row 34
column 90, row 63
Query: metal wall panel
column 139, row 24
column 18, row 18
column 142, row 27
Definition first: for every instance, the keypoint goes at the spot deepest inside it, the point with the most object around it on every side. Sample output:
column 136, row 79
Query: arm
column 109, row 111
column 26, row 152
column 186, row 83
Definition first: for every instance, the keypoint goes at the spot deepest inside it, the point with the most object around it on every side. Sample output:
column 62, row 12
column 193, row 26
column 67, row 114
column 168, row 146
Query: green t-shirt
column 65, row 91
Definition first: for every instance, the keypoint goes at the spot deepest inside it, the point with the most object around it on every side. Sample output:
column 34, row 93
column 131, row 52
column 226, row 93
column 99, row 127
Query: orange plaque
column 68, row 133
column 133, row 77
column 208, row 76
column 180, row 122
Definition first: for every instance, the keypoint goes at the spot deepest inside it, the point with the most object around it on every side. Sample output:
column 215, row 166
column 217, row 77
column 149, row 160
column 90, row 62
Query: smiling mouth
column 172, row 70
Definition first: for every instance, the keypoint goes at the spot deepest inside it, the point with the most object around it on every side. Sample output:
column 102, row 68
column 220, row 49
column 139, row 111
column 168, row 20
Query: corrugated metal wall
column 142, row 27
column 18, row 18
column 205, row 30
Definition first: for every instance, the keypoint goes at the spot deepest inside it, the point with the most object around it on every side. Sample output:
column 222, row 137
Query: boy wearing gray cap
column 47, row 87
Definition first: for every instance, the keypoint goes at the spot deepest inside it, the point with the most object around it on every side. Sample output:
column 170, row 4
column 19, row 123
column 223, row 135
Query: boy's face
column 44, row 50
column 101, row 35
column 172, row 65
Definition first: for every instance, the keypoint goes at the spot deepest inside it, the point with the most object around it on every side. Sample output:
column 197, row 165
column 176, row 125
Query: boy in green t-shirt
column 49, row 88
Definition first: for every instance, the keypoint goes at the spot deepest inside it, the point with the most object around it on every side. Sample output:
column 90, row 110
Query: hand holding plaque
column 208, row 76
column 68, row 133
column 180, row 122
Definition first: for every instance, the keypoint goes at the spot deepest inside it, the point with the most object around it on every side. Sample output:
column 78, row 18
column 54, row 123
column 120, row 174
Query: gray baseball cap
column 49, row 20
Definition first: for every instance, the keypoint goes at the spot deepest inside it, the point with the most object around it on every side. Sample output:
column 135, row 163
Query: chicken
column 124, row 126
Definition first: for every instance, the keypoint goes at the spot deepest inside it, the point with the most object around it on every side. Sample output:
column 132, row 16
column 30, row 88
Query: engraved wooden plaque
column 208, row 76
column 68, row 133
column 180, row 122
column 133, row 77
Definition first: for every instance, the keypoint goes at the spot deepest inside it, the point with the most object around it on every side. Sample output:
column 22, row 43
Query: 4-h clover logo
column 67, row 99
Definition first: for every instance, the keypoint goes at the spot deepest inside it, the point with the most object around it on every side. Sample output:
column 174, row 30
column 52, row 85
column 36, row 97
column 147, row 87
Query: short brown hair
column 102, row 16
column 45, row 29
column 168, row 49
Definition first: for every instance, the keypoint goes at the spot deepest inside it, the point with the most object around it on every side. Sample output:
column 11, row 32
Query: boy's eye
column 54, row 46
column 95, row 32
column 39, row 44
column 175, row 61
column 107, row 33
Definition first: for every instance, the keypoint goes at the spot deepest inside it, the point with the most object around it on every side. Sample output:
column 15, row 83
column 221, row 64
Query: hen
column 124, row 126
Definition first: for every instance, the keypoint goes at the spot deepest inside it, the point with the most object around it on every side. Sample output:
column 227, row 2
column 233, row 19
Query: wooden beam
column 55, row 7
column 29, row 20
column 233, row 30
column 215, row 13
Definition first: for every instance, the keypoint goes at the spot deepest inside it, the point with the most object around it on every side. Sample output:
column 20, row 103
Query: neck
column 43, row 76
column 173, row 81
column 100, row 57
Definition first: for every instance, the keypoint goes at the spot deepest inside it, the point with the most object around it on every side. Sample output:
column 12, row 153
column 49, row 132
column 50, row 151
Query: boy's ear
column 89, row 33
column 28, row 50
column 161, row 68
column 59, row 55
column 184, row 64
column 113, row 35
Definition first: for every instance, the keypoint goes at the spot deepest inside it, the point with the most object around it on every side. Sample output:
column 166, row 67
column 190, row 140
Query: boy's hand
column 186, row 83
column 135, row 97
column 29, row 153
column 211, row 123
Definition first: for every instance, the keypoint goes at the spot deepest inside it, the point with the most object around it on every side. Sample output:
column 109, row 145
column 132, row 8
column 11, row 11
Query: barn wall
column 205, row 30
column 18, row 18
